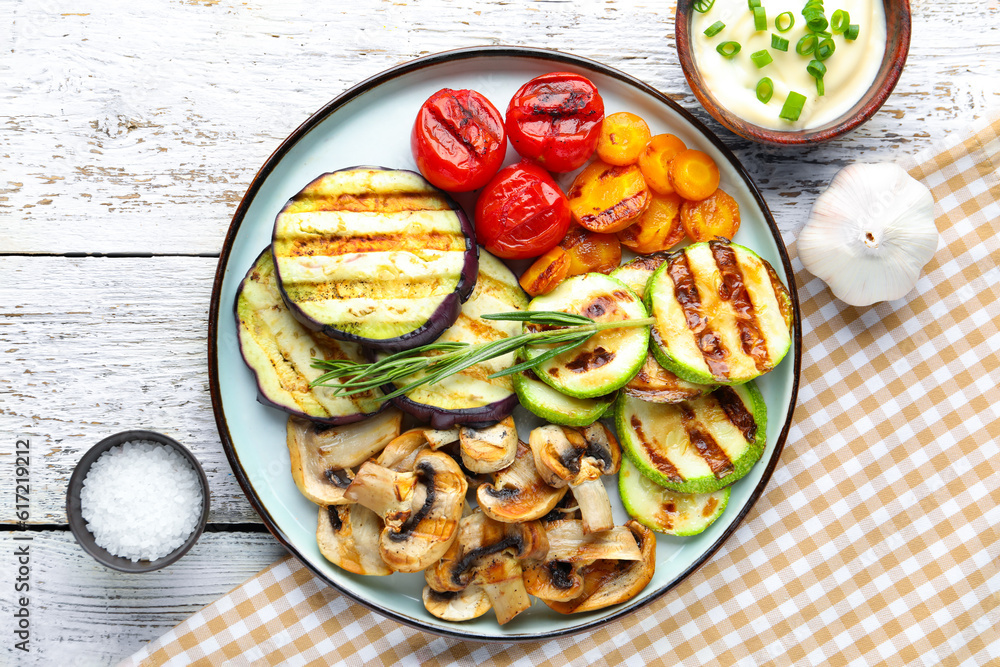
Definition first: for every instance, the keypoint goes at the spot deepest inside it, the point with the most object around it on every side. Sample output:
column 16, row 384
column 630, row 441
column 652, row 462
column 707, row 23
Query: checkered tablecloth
column 876, row 542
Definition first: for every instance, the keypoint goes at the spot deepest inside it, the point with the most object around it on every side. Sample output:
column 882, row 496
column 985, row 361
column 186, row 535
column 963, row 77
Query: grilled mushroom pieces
column 578, row 458
column 489, row 449
column 609, row 582
column 321, row 454
column 421, row 509
column 464, row 605
column 348, row 537
column 518, row 493
column 490, row 554
column 571, row 551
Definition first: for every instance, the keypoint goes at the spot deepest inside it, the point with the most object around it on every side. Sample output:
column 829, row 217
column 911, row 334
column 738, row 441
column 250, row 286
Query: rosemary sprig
column 439, row 360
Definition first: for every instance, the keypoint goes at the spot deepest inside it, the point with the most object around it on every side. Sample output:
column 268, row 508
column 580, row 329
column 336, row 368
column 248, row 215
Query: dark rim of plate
column 78, row 525
column 560, row 59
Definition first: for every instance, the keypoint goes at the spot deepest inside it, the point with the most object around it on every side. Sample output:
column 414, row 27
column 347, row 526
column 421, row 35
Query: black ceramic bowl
column 79, row 526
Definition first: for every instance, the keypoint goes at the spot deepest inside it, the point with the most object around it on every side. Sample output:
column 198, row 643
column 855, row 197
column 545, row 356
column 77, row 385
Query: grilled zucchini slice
column 656, row 384
column 637, row 272
column 279, row 351
column 698, row 446
column 556, row 407
column 667, row 511
column 469, row 397
column 609, row 359
column 722, row 314
column 374, row 256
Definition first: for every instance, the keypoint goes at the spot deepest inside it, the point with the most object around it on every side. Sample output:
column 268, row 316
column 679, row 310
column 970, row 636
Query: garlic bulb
column 870, row 233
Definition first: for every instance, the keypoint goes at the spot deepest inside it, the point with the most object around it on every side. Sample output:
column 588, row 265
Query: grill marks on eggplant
column 723, row 315
column 372, row 255
column 469, row 397
column 279, row 350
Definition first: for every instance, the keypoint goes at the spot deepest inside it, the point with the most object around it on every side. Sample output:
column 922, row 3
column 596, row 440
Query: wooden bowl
column 897, row 46
column 78, row 525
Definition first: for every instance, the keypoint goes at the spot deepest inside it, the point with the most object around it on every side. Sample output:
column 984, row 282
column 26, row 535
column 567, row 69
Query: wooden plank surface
column 128, row 140
column 85, row 614
column 132, row 128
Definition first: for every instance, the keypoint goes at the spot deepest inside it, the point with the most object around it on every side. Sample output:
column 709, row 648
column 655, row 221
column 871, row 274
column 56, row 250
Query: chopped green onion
column 813, row 3
column 779, row 43
column 759, row 19
column 825, row 49
column 852, row 32
column 753, row 3
column 816, row 69
column 715, row 28
column 765, row 88
column 820, row 88
column 840, row 21
column 806, row 45
column 784, row 21
column 728, row 49
column 817, row 22
column 792, row 107
column 702, row 6
column 761, row 58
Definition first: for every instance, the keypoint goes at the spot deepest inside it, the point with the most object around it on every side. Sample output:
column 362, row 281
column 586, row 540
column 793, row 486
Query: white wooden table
column 129, row 132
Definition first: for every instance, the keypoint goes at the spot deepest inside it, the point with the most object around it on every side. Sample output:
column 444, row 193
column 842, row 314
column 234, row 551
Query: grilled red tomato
column 521, row 212
column 458, row 140
column 555, row 120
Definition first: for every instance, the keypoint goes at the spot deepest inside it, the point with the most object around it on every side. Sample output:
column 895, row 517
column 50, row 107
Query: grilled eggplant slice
column 374, row 256
column 667, row 511
column 697, row 446
column 279, row 351
column 608, row 359
column 722, row 314
column 468, row 397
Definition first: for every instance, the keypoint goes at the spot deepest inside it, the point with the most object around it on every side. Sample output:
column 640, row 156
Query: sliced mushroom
column 401, row 452
column 490, row 554
column 518, row 493
column 438, row 439
column 608, row 582
column 489, row 449
column 578, row 458
column 464, row 605
column 560, row 576
column 321, row 455
column 348, row 537
column 421, row 509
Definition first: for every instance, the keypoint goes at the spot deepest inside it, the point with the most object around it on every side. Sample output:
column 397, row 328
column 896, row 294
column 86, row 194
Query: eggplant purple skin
column 262, row 397
column 442, row 419
column 443, row 317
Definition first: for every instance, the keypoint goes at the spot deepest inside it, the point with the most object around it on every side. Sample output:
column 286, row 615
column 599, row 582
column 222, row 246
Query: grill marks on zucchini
column 723, row 315
column 697, row 446
column 376, row 256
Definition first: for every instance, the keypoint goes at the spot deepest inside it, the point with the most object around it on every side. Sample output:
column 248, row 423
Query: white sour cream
column 851, row 70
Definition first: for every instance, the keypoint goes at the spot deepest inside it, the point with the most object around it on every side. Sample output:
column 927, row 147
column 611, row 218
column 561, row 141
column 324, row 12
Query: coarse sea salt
column 141, row 500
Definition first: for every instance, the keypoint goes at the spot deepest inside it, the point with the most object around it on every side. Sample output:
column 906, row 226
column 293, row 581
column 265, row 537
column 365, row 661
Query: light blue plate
column 370, row 124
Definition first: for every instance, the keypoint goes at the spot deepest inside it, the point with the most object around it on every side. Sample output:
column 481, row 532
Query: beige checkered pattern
column 876, row 543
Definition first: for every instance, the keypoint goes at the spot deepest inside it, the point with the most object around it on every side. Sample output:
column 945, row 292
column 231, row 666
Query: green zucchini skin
column 637, row 272
column 666, row 511
column 556, row 407
column 374, row 256
column 610, row 358
column 279, row 352
column 722, row 314
column 468, row 397
column 697, row 446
